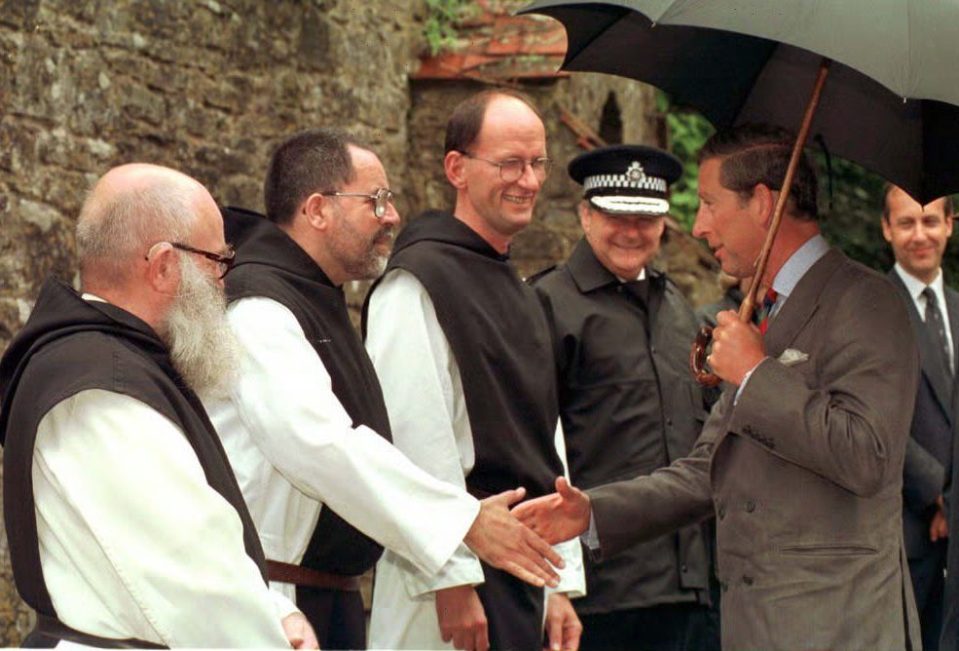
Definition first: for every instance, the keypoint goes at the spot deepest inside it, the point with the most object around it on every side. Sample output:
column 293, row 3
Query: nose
column 919, row 232
column 699, row 225
column 529, row 180
column 392, row 216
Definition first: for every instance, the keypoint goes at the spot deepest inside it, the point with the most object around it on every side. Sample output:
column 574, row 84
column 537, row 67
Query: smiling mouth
column 517, row 199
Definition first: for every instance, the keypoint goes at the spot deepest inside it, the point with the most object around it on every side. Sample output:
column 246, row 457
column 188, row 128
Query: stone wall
column 208, row 86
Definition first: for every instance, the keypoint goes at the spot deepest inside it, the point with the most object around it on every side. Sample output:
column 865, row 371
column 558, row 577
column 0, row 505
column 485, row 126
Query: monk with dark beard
column 125, row 522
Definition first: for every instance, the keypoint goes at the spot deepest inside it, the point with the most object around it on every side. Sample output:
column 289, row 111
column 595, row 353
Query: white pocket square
column 791, row 357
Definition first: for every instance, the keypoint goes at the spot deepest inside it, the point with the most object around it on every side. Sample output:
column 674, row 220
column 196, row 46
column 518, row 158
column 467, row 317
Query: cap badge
column 635, row 172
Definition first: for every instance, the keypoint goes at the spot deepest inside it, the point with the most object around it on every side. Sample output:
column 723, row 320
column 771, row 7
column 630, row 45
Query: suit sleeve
column 922, row 477
column 844, row 414
column 640, row 509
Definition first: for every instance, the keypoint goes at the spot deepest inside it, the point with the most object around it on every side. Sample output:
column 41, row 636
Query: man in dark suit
column 801, row 458
column 918, row 235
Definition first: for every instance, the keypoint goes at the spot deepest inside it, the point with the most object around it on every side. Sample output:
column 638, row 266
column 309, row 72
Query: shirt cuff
column 572, row 578
column 590, row 537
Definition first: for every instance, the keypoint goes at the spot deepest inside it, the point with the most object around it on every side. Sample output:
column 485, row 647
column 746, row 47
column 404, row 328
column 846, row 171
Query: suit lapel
column 952, row 308
column 801, row 304
column 933, row 366
column 786, row 325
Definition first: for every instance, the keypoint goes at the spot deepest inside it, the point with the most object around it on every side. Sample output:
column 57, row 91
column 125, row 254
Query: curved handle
column 697, row 358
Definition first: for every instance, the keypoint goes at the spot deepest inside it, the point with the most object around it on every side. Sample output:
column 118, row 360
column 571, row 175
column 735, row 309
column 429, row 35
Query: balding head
column 129, row 209
column 143, row 239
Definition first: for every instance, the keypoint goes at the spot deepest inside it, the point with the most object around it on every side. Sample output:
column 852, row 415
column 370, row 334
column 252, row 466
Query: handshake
column 518, row 541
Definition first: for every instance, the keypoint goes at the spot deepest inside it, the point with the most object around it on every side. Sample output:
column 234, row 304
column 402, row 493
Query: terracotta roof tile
column 495, row 45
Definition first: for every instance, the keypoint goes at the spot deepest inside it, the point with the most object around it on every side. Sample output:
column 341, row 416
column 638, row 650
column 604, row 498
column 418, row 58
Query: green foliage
column 850, row 210
column 439, row 29
column 686, row 133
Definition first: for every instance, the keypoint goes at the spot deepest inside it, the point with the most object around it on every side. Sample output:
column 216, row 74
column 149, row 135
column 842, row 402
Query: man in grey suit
column 918, row 235
column 801, row 458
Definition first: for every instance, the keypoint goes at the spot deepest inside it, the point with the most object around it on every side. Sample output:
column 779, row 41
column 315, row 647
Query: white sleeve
column 572, row 578
column 414, row 364
column 285, row 399
column 283, row 605
column 133, row 541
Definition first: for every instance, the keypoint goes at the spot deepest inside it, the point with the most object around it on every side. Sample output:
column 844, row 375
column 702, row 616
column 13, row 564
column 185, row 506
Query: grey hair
column 111, row 233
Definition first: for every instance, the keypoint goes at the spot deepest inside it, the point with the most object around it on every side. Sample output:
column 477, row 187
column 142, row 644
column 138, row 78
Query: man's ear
column 163, row 269
column 316, row 209
column 764, row 204
column 585, row 215
column 886, row 229
column 454, row 164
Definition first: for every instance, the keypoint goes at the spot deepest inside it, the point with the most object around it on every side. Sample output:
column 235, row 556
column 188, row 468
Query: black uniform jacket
column 628, row 406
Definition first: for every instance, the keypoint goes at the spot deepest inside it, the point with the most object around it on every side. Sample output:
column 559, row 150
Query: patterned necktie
column 764, row 310
column 936, row 326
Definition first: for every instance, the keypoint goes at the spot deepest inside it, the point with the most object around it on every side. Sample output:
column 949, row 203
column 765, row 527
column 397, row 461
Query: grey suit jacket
column 804, row 475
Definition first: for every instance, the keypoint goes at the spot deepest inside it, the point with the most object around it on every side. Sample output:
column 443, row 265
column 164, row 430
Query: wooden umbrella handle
column 698, row 353
column 700, row 348
column 697, row 358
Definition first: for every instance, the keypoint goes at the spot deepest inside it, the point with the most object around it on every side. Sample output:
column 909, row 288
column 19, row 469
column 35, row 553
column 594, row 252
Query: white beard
column 202, row 346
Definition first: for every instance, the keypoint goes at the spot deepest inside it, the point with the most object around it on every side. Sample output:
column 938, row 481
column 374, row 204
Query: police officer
column 622, row 332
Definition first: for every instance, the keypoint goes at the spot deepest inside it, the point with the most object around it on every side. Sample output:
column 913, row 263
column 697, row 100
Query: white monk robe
column 424, row 396
column 294, row 450
column 133, row 541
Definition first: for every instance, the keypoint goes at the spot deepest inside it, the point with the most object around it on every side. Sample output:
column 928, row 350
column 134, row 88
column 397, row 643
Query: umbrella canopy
column 889, row 103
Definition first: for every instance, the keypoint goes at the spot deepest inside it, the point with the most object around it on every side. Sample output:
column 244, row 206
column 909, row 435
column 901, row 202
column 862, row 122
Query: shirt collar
column 641, row 276
column 915, row 286
column 798, row 264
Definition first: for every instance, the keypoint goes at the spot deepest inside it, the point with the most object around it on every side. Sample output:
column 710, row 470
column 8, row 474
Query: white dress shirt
column 293, row 448
column 133, row 541
column 424, row 396
column 916, row 287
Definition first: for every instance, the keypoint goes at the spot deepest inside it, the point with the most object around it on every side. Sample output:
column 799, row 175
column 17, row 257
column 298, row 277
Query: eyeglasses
column 512, row 169
column 224, row 262
column 380, row 199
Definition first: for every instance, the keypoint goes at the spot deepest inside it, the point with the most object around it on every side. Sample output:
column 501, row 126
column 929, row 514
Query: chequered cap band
column 634, row 178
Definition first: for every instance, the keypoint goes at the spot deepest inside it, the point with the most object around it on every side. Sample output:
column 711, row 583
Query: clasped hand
column 737, row 348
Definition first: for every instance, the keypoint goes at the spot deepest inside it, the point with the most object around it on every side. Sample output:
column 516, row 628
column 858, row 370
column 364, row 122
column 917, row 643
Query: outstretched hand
column 559, row 516
column 502, row 541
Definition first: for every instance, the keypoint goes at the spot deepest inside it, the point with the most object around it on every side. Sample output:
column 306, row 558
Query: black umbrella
column 742, row 61
column 733, row 77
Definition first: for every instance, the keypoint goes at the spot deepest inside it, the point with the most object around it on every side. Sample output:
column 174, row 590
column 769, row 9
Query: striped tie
column 935, row 325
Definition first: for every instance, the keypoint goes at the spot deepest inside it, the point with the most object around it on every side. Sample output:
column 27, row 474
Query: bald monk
column 124, row 519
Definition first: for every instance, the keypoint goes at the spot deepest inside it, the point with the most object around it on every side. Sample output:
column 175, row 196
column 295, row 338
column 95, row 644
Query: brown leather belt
column 299, row 575
column 50, row 630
